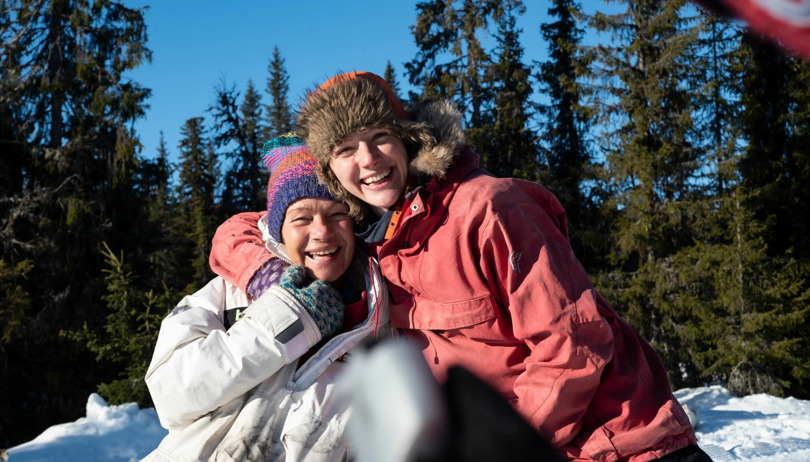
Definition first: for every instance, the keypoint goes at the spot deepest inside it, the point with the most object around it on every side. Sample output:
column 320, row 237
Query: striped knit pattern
column 292, row 177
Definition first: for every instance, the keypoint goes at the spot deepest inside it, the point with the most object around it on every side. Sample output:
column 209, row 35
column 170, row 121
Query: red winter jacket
column 481, row 274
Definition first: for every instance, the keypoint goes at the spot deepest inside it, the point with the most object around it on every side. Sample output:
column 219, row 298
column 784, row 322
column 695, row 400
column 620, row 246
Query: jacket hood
column 435, row 154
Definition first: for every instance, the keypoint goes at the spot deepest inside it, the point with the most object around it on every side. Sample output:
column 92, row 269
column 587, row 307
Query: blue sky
column 197, row 44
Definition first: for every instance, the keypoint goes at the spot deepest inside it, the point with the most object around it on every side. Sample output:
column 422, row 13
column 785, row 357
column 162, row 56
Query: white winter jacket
column 240, row 394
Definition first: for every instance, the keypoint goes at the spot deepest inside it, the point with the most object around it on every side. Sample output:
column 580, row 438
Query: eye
column 342, row 152
column 299, row 219
column 337, row 216
column 338, row 211
column 381, row 134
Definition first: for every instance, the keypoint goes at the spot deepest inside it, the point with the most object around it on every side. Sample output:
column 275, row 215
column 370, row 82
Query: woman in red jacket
column 481, row 274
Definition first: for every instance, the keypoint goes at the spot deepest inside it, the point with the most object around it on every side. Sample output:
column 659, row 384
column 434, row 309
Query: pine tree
column 451, row 31
column 159, row 261
column 238, row 131
column 196, row 188
column 768, row 316
column 66, row 105
column 565, row 122
column 505, row 139
column 279, row 114
column 390, row 76
column 765, row 75
column 651, row 163
column 130, row 331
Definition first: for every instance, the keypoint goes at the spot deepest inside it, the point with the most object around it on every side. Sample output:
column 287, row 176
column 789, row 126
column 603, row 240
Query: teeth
column 322, row 253
column 377, row 178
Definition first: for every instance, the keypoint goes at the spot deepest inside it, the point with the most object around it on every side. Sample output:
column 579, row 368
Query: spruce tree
column 564, row 126
column 774, row 126
column 238, row 132
column 765, row 74
column 390, row 76
column 651, row 162
column 279, row 114
column 160, row 261
column 798, row 156
column 196, row 190
column 154, row 182
column 67, row 106
column 130, row 332
column 505, row 139
column 253, row 172
column 451, row 61
column 710, row 273
column 768, row 321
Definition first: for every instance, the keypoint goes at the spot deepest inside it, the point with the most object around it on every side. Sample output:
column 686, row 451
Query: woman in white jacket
column 251, row 374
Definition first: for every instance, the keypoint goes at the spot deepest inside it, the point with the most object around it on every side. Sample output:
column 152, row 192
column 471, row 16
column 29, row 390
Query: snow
column 755, row 428
column 108, row 433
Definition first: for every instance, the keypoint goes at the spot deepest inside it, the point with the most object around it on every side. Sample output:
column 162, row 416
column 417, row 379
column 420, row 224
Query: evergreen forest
column 680, row 150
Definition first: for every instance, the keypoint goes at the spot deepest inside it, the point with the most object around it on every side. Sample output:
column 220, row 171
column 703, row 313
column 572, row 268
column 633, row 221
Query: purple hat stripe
column 292, row 177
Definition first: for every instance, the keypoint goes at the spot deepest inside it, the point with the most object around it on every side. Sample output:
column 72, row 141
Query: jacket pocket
column 427, row 314
column 598, row 445
column 317, row 440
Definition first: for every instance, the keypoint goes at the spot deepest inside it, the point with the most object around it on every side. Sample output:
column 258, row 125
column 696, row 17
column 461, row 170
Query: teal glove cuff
column 320, row 299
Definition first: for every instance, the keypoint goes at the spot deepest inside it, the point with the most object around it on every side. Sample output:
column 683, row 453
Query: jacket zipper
column 326, row 353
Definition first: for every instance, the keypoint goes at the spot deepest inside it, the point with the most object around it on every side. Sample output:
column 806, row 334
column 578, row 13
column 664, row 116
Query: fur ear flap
column 438, row 135
column 357, row 208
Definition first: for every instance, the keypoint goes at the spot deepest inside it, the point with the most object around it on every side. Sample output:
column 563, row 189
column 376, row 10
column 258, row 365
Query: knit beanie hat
column 292, row 177
column 350, row 103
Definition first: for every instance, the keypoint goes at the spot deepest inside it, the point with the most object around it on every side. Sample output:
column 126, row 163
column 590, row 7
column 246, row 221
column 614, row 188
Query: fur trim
column 357, row 103
column 435, row 154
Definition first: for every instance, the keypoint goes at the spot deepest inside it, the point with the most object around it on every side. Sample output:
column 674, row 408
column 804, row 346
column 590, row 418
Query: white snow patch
column 755, row 428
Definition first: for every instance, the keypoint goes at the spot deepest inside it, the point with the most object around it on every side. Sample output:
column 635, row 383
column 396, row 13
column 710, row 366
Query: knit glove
column 320, row 300
column 267, row 276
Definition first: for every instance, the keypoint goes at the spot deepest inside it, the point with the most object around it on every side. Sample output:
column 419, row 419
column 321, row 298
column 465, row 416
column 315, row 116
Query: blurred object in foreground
column 400, row 413
column 786, row 22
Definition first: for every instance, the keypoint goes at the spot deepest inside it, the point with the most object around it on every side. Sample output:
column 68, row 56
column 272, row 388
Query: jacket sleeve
column 544, row 292
column 198, row 366
column 237, row 249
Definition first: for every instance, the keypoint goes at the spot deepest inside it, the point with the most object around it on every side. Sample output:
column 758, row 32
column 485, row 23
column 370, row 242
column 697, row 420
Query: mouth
column 378, row 178
column 324, row 254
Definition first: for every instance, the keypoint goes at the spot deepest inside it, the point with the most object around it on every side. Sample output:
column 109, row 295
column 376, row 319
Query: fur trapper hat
column 358, row 101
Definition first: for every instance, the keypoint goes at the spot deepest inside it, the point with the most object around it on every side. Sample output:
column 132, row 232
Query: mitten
column 267, row 276
column 320, row 299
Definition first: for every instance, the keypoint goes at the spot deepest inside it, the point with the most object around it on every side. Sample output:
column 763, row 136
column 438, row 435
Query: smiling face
column 319, row 235
column 373, row 166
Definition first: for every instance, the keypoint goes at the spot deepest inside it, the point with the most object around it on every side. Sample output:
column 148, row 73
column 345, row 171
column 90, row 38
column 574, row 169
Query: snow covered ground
column 755, row 428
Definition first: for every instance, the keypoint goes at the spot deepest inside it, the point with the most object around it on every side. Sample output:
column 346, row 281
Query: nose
column 366, row 154
column 320, row 229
